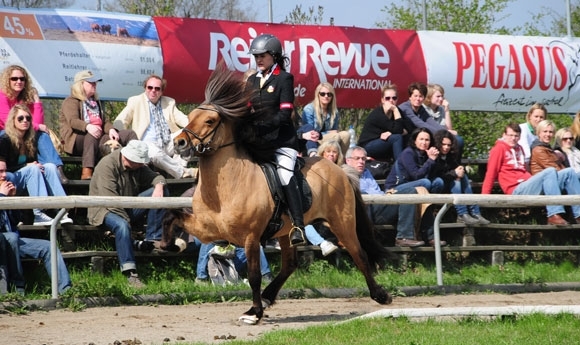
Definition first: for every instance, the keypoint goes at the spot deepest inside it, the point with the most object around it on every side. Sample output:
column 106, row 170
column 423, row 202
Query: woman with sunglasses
column 564, row 143
column 16, row 88
column 382, row 133
column 321, row 119
column 84, row 126
column 19, row 146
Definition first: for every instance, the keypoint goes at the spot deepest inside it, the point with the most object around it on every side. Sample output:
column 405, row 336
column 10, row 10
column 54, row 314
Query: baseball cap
column 87, row 75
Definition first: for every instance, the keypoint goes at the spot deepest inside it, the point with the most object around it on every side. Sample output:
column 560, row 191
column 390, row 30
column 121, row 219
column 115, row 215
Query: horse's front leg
column 254, row 315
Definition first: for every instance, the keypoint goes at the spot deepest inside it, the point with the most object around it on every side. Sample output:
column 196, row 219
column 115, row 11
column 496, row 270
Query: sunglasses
column 326, row 94
column 156, row 88
column 22, row 117
column 388, row 98
column 18, row 78
column 568, row 138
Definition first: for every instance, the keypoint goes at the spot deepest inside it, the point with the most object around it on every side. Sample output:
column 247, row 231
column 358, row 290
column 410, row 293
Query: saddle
column 280, row 206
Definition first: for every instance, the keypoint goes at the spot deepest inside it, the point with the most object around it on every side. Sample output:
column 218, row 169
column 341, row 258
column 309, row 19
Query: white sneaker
column 327, row 247
column 65, row 219
column 41, row 218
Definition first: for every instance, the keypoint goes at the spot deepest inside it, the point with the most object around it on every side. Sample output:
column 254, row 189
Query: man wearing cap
column 156, row 121
column 125, row 173
column 83, row 126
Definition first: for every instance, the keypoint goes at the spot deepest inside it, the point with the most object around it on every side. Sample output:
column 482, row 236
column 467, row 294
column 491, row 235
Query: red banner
column 357, row 62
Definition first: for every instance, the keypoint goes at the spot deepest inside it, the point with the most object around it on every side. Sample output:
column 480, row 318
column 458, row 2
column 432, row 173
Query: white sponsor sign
column 53, row 45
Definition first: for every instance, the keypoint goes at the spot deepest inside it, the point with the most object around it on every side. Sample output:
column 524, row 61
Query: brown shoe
column 432, row 243
column 87, row 174
column 557, row 220
column 577, row 220
column 61, row 175
column 405, row 242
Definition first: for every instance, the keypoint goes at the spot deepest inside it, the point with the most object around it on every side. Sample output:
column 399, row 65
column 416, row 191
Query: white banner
column 53, row 45
column 504, row 73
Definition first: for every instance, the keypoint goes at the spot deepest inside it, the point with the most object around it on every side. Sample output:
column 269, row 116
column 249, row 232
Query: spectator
column 415, row 115
column 402, row 215
column 21, row 247
column 437, row 106
column 19, row 145
column 16, row 88
column 275, row 95
column 332, row 151
column 542, row 155
column 383, row 130
column 416, row 166
column 83, row 125
column 506, row 164
column 125, row 173
column 565, row 144
column 535, row 115
column 156, row 119
column 575, row 129
column 455, row 177
column 321, row 119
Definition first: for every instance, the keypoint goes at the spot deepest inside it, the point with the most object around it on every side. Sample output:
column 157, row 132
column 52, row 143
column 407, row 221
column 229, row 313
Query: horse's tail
column 171, row 218
column 365, row 229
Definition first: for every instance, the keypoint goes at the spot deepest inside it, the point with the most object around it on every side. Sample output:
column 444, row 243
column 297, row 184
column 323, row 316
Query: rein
column 202, row 147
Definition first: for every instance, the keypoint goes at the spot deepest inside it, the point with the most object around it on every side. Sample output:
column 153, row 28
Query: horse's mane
column 227, row 92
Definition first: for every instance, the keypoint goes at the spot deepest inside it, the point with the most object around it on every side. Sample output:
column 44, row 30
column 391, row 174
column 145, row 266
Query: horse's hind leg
column 377, row 292
column 289, row 265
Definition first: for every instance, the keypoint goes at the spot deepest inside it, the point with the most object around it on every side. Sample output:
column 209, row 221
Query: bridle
column 204, row 147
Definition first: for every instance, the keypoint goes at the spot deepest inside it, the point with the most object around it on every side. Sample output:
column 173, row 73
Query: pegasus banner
column 478, row 72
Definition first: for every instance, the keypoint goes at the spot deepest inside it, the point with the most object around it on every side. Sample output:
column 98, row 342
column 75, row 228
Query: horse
column 233, row 201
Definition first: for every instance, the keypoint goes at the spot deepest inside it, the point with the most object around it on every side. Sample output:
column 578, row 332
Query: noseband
column 204, row 147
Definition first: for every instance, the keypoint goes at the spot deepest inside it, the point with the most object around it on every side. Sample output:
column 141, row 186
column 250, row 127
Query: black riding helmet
column 266, row 43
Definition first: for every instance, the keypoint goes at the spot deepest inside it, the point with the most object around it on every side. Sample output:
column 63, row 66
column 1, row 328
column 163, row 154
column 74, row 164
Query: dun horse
column 233, row 202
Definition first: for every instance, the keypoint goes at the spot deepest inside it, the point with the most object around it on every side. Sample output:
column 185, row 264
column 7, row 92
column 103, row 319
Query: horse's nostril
column 180, row 142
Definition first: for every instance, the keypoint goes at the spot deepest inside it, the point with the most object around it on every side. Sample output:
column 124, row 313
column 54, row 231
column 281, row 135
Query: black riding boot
column 294, row 201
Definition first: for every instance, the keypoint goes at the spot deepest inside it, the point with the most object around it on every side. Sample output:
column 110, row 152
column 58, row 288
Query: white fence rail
column 446, row 200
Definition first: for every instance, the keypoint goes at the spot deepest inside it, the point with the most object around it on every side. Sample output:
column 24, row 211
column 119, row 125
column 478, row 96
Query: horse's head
column 201, row 135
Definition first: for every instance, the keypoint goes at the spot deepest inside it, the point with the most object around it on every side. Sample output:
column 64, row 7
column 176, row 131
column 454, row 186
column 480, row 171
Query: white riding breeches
column 286, row 159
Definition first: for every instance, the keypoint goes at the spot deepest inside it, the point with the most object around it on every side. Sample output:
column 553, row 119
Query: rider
column 276, row 95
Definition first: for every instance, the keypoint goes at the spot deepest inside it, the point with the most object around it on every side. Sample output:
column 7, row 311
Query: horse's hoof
column 249, row 319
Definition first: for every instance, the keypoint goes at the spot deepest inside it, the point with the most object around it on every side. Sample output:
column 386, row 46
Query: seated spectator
column 155, row 119
column 125, row 173
column 575, row 129
column 383, row 130
column 21, row 247
column 321, row 119
column 83, row 125
column 542, row 155
column 402, row 215
column 19, row 145
column 437, row 106
column 506, row 164
column 416, row 166
column 455, row 177
column 16, row 88
column 565, row 144
column 415, row 115
column 535, row 115
column 332, row 151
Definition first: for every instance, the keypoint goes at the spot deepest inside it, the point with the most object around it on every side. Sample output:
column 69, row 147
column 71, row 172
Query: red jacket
column 505, row 164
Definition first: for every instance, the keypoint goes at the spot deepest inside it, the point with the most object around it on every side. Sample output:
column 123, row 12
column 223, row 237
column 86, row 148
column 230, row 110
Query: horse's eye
column 210, row 122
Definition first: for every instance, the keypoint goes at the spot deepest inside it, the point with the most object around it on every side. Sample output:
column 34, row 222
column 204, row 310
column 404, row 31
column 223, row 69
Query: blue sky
column 365, row 13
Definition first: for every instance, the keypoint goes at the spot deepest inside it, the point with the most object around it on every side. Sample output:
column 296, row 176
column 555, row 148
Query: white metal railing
column 446, row 200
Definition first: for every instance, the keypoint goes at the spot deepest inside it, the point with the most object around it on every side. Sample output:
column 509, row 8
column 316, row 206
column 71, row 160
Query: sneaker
column 467, row 219
column 327, row 247
column 407, row 242
column 134, row 281
column 202, row 281
column 267, row 278
column 65, row 219
column 480, row 219
column 189, row 173
column 143, row 246
column 273, row 244
column 40, row 218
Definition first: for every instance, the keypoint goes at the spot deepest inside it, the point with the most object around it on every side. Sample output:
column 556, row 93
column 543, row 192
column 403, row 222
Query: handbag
column 379, row 169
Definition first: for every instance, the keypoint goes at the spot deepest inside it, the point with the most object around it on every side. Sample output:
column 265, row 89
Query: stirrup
column 296, row 236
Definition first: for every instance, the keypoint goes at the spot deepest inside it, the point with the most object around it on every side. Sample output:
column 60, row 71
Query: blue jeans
column 46, row 151
column 312, row 235
column 40, row 250
column 37, row 182
column 552, row 182
column 462, row 186
column 434, row 186
column 402, row 215
column 122, row 229
column 240, row 260
column 384, row 149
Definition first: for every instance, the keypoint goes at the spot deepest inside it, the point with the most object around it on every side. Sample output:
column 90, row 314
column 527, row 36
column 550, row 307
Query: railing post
column 53, row 253
column 437, row 239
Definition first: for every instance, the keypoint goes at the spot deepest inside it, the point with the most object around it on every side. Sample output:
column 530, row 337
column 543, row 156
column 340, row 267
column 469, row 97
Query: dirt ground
column 209, row 322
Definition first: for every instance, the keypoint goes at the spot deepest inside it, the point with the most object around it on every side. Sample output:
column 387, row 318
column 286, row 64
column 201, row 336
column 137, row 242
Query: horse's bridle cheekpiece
column 202, row 147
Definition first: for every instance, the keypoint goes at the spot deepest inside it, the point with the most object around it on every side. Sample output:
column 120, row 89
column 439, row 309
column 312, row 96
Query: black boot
column 294, row 201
